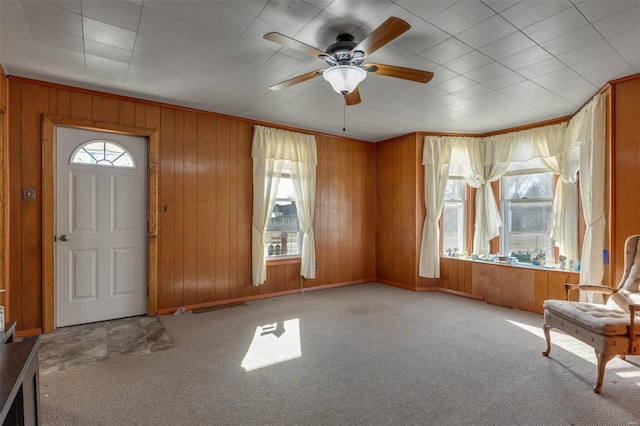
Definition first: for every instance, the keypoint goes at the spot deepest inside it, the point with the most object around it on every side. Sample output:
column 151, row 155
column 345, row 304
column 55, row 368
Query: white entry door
column 101, row 205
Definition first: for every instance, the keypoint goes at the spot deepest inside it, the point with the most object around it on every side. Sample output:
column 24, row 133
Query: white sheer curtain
column 270, row 148
column 266, row 176
column 482, row 161
column 304, row 182
column 497, row 155
column 591, row 123
column 551, row 145
column 436, row 159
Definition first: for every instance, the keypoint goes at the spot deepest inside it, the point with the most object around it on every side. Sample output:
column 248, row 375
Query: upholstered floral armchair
column 611, row 329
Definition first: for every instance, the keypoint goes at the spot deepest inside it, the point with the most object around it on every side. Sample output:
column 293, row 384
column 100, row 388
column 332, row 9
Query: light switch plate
column 29, row 194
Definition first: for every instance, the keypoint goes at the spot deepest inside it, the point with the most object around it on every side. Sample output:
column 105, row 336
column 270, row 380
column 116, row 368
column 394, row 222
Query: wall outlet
column 29, row 194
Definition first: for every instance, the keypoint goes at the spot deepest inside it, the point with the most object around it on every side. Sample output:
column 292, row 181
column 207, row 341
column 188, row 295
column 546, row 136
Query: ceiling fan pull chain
column 344, row 115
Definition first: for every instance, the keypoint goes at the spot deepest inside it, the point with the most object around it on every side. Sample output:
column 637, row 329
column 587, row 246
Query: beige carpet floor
column 368, row 354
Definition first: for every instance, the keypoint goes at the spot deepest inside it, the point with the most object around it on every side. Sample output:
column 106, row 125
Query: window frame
column 104, row 162
column 504, row 204
column 465, row 219
column 284, row 258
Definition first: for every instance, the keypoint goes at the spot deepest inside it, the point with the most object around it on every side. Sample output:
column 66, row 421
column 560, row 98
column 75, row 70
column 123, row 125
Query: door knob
column 64, row 237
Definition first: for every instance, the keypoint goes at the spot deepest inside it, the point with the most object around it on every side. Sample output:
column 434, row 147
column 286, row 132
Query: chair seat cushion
column 601, row 319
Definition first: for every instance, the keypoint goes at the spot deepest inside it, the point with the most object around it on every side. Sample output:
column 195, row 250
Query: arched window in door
column 99, row 152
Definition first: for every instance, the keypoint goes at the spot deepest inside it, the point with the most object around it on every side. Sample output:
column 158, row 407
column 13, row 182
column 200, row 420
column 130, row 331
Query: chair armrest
column 595, row 288
column 568, row 287
column 633, row 340
column 604, row 289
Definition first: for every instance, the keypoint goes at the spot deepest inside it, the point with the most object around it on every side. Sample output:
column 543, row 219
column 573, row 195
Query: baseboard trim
column 167, row 311
column 459, row 293
column 531, row 309
column 343, row 284
column 395, row 284
column 438, row 289
column 29, row 332
column 328, row 286
column 427, row 289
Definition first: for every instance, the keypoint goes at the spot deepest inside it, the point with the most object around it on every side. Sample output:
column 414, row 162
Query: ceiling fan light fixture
column 344, row 78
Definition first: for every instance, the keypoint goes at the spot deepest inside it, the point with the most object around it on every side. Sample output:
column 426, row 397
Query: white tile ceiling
column 497, row 63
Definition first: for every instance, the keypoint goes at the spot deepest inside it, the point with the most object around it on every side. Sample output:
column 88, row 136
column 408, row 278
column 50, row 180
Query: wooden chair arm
column 633, row 339
column 568, row 287
column 604, row 289
column 595, row 288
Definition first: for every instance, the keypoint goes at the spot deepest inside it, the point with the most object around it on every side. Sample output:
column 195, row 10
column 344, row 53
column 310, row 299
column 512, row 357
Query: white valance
column 279, row 144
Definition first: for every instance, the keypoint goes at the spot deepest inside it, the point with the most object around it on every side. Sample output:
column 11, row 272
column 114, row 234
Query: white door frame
column 49, row 123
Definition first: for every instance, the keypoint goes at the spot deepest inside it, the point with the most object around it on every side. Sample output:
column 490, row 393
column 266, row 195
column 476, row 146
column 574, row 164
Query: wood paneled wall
column 626, row 164
column 205, row 202
column 397, row 236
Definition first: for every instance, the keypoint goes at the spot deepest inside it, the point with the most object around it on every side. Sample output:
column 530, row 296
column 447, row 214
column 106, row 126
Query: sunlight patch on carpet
column 629, row 374
column 273, row 344
column 582, row 350
column 561, row 340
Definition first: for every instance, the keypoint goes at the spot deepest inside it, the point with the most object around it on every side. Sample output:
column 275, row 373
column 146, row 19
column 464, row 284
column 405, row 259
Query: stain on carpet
column 81, row 345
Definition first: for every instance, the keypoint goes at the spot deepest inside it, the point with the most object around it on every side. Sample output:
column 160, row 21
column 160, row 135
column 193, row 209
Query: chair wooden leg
column 547, row 334
column 602, row 363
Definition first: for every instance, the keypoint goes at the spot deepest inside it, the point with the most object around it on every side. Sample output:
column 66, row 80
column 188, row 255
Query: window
column 283, row 234
column 454, row 215
column 526, row 197
column 102, row 153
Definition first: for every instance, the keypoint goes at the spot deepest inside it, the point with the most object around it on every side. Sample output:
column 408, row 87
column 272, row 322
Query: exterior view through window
column 102, row 153
column 526, row 197
column 283, row 233
column 454, row 215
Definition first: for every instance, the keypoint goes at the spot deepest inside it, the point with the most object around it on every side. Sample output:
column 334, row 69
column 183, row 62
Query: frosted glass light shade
column 344, row 78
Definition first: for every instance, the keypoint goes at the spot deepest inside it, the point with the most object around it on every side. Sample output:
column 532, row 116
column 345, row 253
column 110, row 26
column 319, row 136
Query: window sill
column 517, row 265
column 283, row 260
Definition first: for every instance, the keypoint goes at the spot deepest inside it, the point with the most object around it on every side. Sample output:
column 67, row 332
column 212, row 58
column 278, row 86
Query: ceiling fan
column 345, row 60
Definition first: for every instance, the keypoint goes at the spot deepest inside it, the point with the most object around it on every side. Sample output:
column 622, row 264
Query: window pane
column 527, row 186
column 102, row 153
column 283, row 234
column 527, row 225
column 526, row 212
column 455, row 190
column 453, row 226
column 453, row 215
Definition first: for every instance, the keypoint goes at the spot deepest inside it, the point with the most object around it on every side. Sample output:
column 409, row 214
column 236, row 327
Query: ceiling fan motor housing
column 341, row 51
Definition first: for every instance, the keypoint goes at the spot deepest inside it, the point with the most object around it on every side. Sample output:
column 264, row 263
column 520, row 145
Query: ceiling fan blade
column 390, row 29
column 353, row 98
column 399, row 72
column 296, row 80
column 294, row 44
